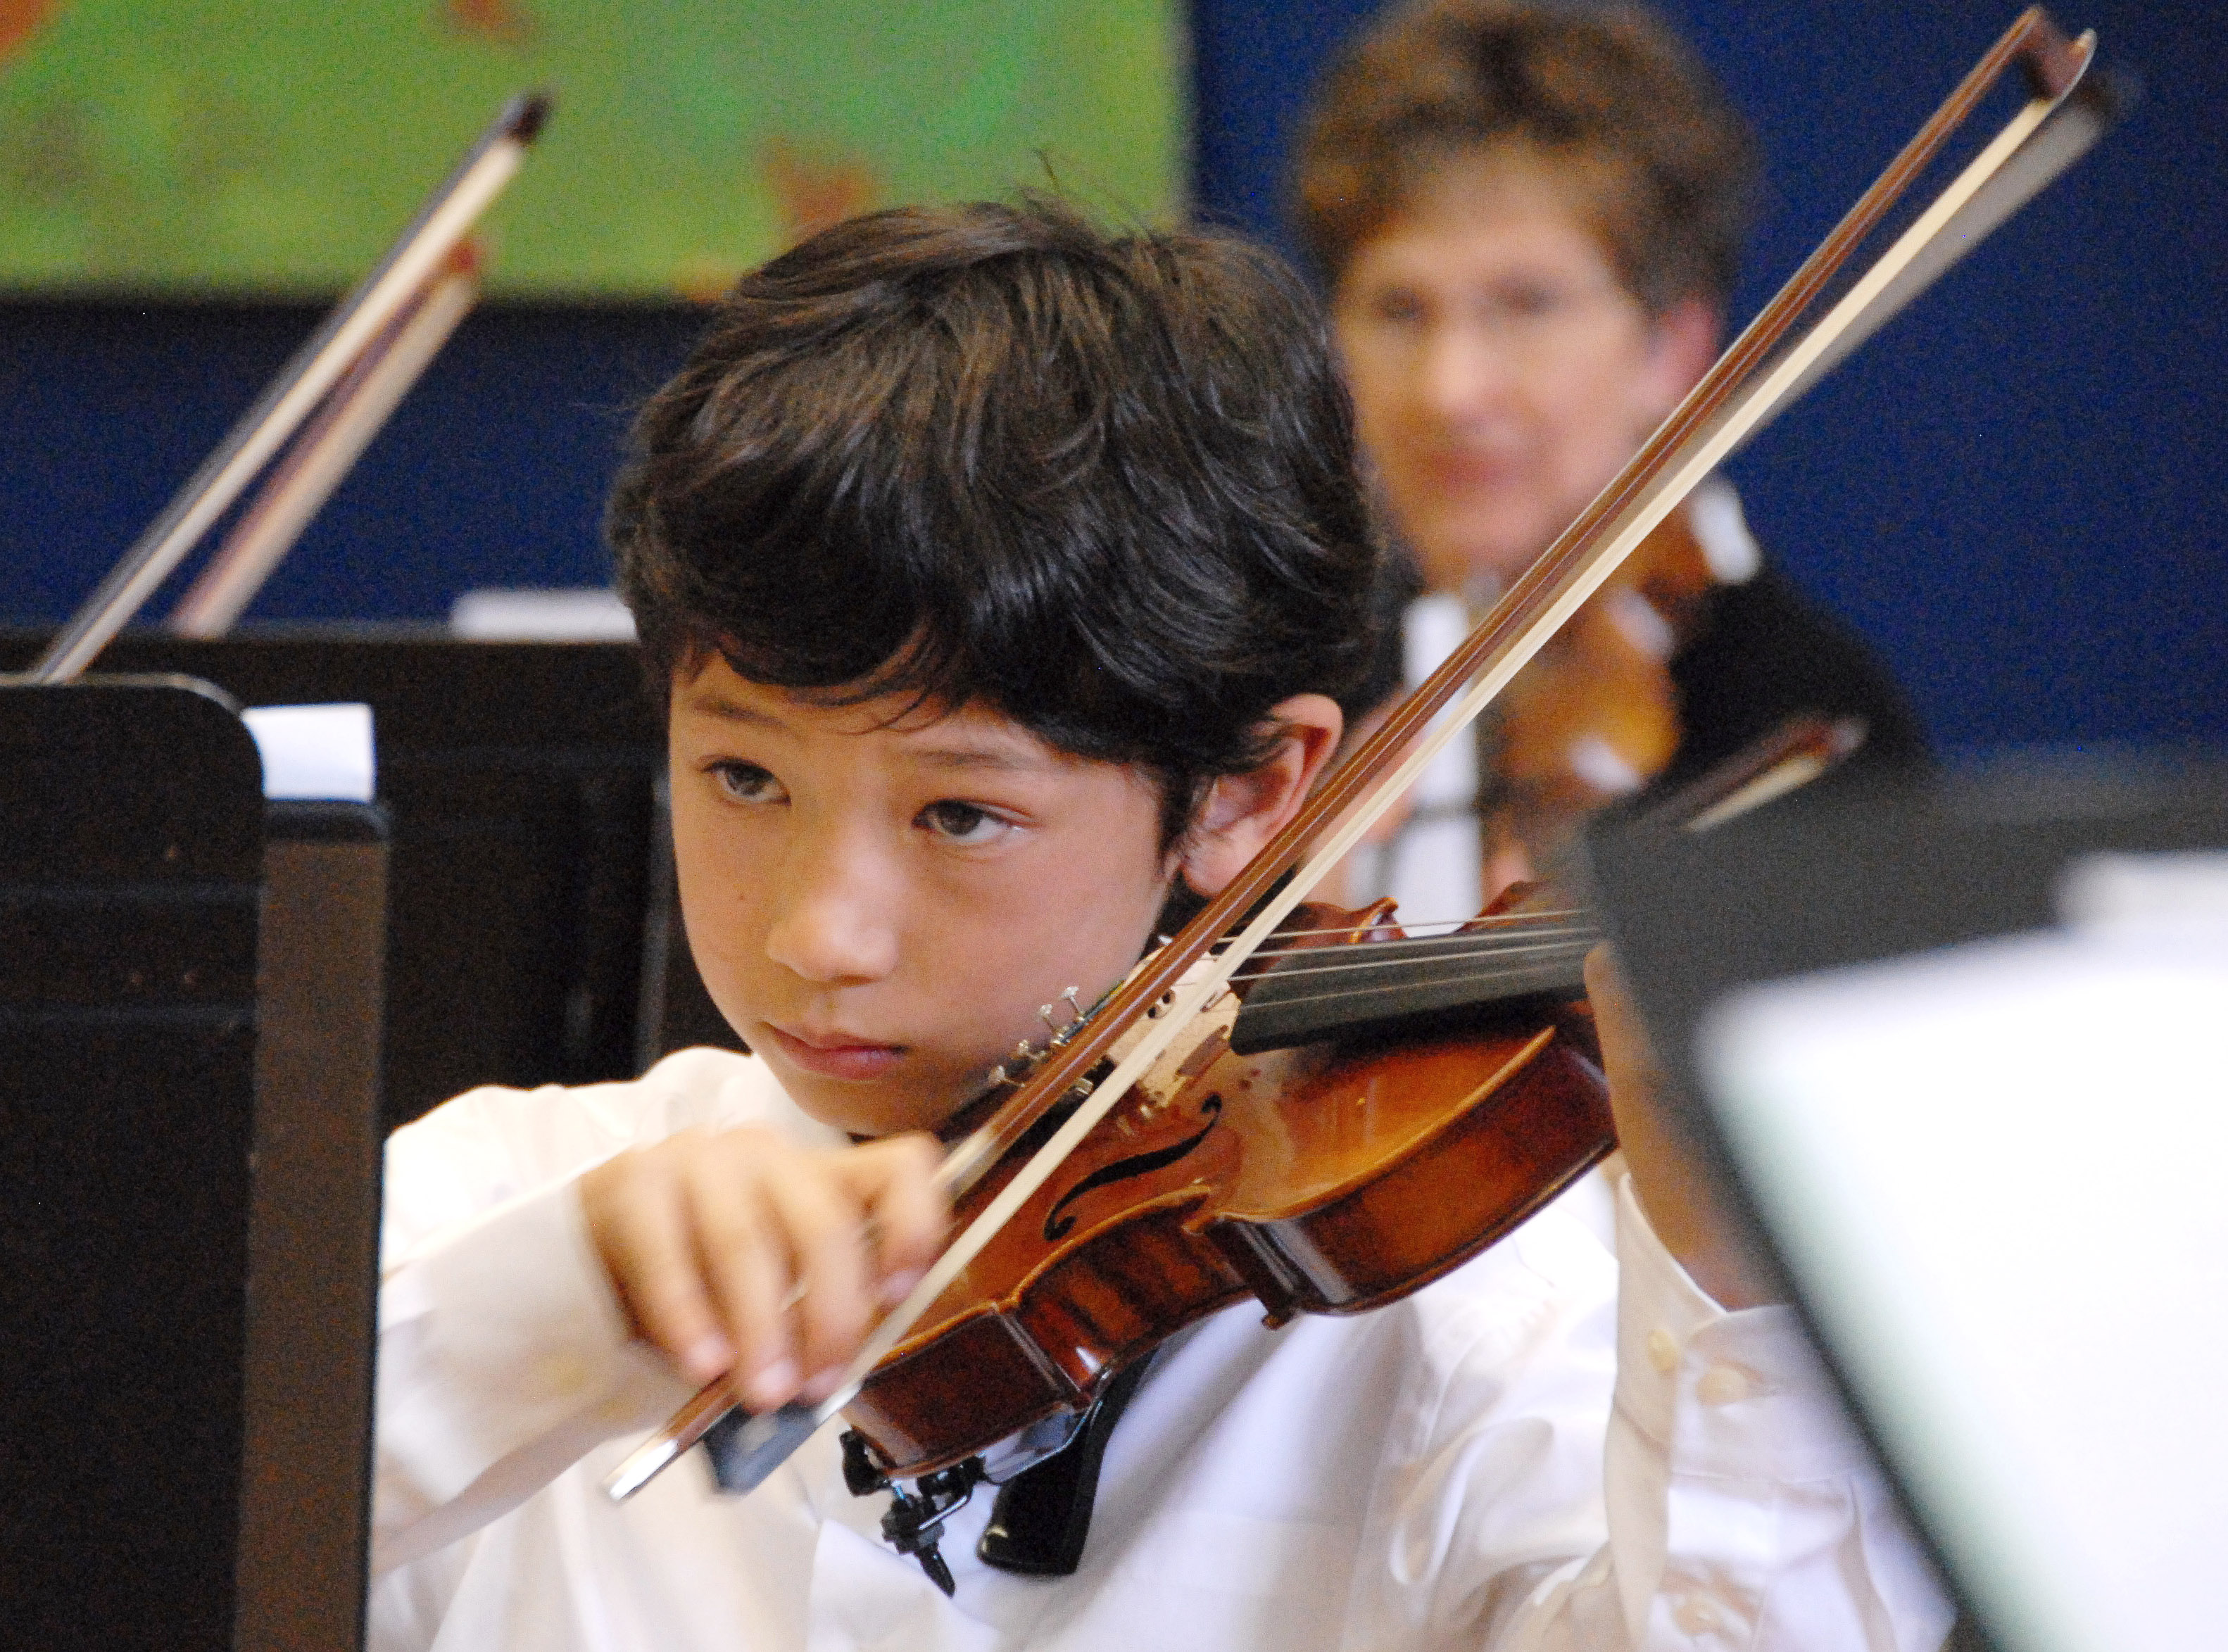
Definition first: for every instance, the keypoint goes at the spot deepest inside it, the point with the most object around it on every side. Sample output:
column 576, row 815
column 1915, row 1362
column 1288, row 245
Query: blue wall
column 493, row 473
column 2014, row 491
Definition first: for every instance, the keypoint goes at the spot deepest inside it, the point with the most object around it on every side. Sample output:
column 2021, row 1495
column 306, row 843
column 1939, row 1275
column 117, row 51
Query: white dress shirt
column 1521, row 1455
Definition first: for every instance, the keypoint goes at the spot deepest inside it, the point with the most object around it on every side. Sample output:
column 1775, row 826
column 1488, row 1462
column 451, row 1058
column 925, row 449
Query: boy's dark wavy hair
column 988, row 454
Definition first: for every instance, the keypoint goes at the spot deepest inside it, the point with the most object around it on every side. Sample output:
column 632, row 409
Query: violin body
column 1314, row 1180
column 1596, row 714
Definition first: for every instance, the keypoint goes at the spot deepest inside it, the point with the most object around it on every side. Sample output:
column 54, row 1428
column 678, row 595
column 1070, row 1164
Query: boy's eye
column 746, row 782
column 963, row 824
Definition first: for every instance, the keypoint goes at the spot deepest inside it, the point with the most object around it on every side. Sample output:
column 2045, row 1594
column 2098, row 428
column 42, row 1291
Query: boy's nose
column 836, row 919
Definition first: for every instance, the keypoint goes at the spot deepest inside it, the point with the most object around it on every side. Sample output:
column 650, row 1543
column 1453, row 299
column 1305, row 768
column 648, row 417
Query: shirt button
column 1698, row 1613
column 1663, row 1351
column 1722, row 1385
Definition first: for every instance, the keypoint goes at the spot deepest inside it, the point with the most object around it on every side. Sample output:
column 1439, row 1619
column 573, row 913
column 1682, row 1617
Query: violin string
column 1581, row 924
column 1329, row 941
column 1364, row 958
column 1469, row 979
column 1285, row 940
column 1518, row 959
column 1381, row 955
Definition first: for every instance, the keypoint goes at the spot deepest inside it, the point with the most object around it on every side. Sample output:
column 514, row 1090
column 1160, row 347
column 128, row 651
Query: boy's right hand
column 739, row 1253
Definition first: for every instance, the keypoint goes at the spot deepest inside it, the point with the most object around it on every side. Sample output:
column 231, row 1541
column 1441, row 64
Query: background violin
column 1597, row 716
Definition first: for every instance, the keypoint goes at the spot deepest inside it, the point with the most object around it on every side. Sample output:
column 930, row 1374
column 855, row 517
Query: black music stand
column 131, row 879
column 313, row 1254
column 190, row 1135
column 529, row 931
column 1844, row 874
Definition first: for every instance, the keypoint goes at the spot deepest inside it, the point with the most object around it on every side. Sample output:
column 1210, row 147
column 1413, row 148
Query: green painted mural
column 258, row 147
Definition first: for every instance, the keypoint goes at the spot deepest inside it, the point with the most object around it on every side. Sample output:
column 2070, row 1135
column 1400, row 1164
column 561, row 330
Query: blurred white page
column 498, row 615
column 321, row 751
column 1996, row 1173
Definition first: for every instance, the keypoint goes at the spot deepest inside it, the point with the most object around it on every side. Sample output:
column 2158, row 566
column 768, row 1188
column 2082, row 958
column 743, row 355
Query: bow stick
column 297, row 486
column 417, row 258
column 1763, row 371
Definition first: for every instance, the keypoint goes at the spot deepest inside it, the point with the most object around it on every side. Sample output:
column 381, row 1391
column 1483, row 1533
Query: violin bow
column 398, row 283
column 297, row 487
column 1763, row 371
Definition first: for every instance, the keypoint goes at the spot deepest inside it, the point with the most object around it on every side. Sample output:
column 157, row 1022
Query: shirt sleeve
column 503, row 1354
column 503, row 1357
column 1742, row 1510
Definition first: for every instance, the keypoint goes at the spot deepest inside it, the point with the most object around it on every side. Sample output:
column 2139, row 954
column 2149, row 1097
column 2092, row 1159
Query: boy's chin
column 869, row 1109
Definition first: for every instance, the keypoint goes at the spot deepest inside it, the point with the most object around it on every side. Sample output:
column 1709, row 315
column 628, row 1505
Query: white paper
column 315, row 752
column 496, row 615
column 1996, row 1172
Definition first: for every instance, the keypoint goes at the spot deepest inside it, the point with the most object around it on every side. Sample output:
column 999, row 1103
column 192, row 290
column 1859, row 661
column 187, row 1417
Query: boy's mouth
column 836, row 1055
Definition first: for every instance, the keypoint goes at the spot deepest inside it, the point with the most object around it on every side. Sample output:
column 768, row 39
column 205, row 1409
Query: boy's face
column 879, row 911
column 1501, row 372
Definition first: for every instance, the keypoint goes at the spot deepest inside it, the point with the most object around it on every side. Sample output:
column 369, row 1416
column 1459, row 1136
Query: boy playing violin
column 1007, row 584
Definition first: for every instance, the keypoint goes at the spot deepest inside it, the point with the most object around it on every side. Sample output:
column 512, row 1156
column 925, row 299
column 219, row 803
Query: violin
column 1144, row 1169
column 1313, row 1176
column 1596, row 715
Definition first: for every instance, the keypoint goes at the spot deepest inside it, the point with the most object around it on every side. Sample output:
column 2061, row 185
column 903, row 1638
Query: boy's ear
column 1242, row 812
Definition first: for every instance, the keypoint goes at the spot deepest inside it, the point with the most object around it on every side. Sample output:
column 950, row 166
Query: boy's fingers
column 824, row 1225
column 1625, row 1048
column 894, row 1180
column 740, row 1252
column 736, row 1253
column 636, row 1218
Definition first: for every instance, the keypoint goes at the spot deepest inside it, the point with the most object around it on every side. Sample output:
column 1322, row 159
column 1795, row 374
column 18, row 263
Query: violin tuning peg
column 998, row 1076
column 1073, row 1019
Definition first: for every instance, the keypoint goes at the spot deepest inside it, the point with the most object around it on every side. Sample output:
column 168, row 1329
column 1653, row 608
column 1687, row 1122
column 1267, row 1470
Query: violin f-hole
column 1058, row 1225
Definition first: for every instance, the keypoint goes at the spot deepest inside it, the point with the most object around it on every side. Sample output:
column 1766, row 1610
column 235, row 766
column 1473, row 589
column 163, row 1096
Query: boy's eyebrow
column 981, row 757
column 712, row 703
column 990, row 755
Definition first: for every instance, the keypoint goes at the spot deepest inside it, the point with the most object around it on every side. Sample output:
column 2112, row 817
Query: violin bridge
column 1186, row 1054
